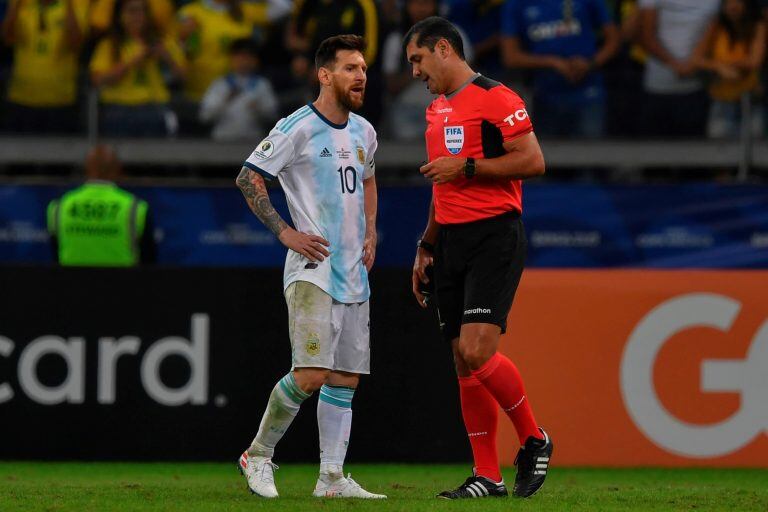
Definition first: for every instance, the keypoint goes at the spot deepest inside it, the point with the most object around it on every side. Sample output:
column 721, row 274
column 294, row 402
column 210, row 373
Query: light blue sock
column 334, row 421
column 284, row 403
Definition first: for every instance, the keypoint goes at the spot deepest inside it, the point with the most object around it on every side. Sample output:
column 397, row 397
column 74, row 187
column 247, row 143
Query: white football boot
column 259, row 473
column 343, row 488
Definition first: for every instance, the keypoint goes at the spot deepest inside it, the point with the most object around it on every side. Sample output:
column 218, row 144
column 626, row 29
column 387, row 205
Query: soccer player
column 480, row 145
column 322, row 154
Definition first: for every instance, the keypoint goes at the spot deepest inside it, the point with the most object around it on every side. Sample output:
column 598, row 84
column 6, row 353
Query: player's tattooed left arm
column 255, row 192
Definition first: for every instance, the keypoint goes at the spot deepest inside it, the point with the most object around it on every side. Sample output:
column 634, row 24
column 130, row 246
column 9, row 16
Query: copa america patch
column 454, row 138
column 264, row 149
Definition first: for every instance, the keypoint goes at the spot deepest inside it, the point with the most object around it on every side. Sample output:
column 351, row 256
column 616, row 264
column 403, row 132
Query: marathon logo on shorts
column 454, row 138
column 478, row 311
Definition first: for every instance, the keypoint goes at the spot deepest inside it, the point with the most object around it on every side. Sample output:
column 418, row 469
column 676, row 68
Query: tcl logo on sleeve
column 519, row 115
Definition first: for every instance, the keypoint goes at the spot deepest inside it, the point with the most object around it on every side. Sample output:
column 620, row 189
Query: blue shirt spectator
column 558, row 39
column 481, row 22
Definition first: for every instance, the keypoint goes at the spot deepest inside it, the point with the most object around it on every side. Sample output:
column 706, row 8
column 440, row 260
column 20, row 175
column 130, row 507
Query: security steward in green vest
column 99, row 224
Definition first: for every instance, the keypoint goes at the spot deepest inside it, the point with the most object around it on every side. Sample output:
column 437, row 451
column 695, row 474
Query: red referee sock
column 481, row 415
column 500, row 377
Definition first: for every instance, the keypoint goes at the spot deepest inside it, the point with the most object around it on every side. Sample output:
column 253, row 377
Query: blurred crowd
column 230, row 68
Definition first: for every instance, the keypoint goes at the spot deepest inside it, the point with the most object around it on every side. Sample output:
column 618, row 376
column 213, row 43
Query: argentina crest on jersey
column 454, row 138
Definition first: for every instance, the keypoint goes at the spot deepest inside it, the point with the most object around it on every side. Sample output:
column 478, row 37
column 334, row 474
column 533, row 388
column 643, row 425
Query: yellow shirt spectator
column 162, row 12
column 726, row 51
column 208, row 43
column 142, row 83
column 315, row 20
column 44, row 61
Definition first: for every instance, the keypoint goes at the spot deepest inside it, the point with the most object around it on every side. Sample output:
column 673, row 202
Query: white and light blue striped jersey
column 321, row 167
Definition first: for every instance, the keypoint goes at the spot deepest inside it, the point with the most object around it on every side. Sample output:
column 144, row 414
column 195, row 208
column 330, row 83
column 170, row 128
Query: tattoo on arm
column 255, row 192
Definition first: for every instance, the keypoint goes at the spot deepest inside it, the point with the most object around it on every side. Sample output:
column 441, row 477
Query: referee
column 480, row 146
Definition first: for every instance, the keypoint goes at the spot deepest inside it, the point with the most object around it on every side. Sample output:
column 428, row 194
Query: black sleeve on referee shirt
column 493, row 141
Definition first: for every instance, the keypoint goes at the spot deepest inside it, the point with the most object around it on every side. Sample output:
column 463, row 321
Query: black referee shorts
column 477, row 269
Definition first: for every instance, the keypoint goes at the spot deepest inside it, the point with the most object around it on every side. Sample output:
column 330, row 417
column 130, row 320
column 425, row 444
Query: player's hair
column 429, row 31
column 326, row 52
column 244, row 45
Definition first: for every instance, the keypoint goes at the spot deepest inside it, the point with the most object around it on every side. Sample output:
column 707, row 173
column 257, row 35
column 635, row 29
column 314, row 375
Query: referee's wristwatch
column 469, row 168
column 423, row 244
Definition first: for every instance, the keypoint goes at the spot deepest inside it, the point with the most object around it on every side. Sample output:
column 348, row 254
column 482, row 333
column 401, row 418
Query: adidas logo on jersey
column 325, row 153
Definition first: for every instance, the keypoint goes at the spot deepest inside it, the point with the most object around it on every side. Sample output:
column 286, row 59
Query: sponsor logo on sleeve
column 519, row 115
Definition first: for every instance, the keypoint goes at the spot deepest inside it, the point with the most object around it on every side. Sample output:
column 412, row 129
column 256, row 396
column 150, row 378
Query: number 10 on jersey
column 348, row 179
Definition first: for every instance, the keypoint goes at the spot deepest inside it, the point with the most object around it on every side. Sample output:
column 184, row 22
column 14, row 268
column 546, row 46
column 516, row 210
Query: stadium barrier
column 623, row 367
column 627, row 155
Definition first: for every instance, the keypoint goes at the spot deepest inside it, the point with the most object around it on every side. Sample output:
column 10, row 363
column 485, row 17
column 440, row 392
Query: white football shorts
column 326, row 333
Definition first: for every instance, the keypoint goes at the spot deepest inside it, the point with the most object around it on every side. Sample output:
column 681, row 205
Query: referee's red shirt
column 475, row 122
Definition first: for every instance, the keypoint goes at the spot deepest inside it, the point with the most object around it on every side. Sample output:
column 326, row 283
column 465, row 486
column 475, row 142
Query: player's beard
column 346, row 100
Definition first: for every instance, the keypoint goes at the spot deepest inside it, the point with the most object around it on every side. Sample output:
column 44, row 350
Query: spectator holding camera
column 241, row 103
column 162, row 12
column 207, row 29
column 127, row 67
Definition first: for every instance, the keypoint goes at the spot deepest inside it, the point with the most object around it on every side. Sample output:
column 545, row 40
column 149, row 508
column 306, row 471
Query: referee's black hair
column 326, row 52
column 429, row 31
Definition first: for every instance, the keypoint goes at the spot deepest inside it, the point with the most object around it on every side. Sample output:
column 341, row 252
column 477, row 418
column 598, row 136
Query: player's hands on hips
column 312, row 247
column 420, row 264
column 369, row 250
column 443, row 169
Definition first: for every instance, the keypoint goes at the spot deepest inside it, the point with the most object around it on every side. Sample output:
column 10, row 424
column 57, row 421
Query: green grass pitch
column 55, row 487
